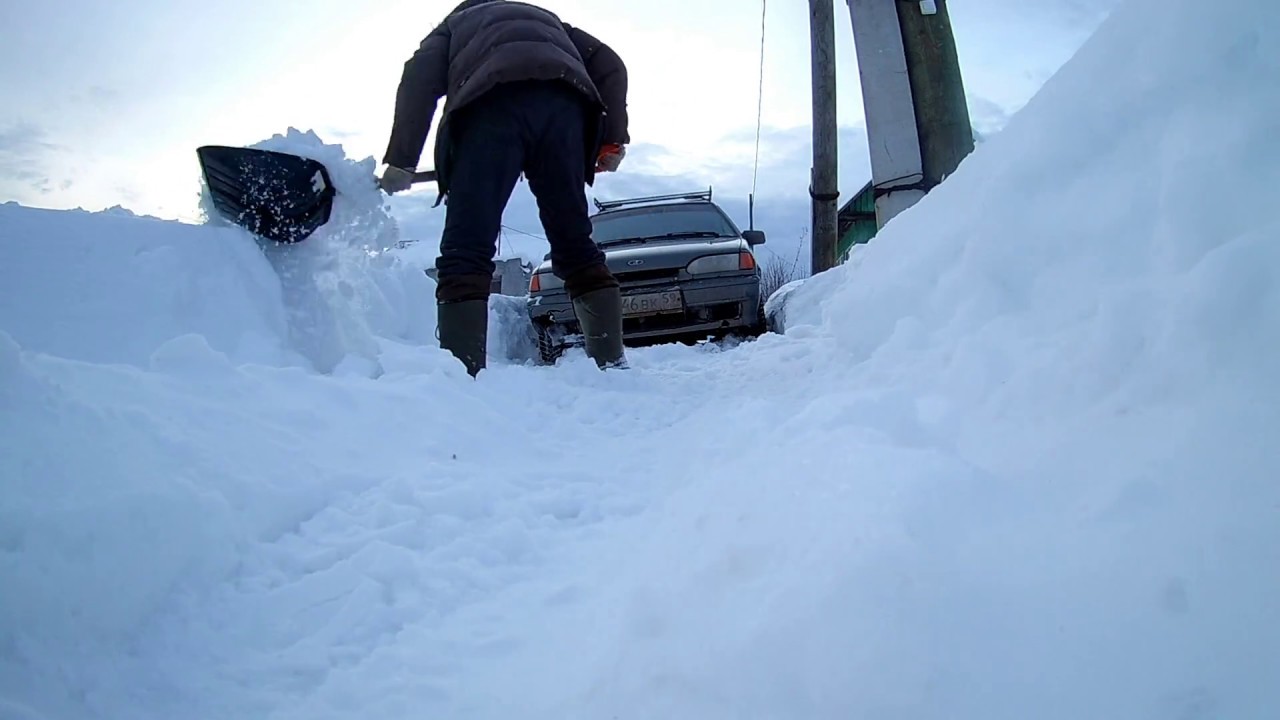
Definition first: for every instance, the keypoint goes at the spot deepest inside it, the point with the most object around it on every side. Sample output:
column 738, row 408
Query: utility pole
column 942, row 114
column 823, row 186
column 917, row 118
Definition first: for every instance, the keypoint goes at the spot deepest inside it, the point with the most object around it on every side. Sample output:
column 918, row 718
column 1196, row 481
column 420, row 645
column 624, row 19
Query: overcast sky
column 103, row 104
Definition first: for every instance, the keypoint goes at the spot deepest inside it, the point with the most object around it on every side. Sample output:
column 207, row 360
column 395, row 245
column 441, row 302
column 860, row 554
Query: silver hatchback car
column 687, row 272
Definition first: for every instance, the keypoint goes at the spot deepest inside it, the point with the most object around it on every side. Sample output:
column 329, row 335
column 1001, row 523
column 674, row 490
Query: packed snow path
column 416, row 529
column 1016, row 460
column 413, row 529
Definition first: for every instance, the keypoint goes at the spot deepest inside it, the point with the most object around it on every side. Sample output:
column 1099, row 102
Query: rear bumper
column 710, row 305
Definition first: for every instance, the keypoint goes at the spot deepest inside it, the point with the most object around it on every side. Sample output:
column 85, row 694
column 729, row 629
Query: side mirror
column 753, row 237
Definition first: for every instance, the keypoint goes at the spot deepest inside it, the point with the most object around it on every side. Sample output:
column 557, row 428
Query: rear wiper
column 690, row 234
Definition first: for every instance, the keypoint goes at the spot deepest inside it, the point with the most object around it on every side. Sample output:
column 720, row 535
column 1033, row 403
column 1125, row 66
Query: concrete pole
column 942, row 113
column 917, row 118
column 823, row 185
column 893, row 142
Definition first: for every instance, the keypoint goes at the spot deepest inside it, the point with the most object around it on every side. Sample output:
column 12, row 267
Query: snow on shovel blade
column 274, row 195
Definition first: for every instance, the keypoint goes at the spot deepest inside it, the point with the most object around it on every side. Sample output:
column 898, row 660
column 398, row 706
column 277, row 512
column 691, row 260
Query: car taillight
column 535, row 283
column 746, row 261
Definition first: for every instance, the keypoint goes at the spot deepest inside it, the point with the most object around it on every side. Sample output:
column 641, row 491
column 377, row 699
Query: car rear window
column 645, row 222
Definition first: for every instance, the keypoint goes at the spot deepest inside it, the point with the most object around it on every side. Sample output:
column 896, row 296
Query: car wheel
column 548, row 349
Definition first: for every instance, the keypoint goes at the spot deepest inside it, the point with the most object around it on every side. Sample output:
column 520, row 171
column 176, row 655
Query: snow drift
column 1015, row 460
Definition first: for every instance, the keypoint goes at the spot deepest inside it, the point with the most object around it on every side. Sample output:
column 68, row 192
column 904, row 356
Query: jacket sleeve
column 609, row 74
column 424, row 81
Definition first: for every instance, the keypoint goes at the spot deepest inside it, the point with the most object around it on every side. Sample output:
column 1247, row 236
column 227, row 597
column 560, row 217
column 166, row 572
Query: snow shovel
column 275, row 195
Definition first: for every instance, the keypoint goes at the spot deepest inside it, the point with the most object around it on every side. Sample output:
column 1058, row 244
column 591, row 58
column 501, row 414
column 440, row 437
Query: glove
column 395, row 180
column 610, row 157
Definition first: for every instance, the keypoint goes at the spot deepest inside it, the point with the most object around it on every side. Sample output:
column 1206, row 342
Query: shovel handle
column 422, row 176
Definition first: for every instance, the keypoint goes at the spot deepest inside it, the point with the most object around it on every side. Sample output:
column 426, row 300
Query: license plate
column 651, row 303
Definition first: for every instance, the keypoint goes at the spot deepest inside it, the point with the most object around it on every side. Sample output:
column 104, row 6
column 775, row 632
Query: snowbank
column 1033, row 475
column 111, row 287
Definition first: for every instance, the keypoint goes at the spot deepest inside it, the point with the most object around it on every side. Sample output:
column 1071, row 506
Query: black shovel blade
column 274, row 195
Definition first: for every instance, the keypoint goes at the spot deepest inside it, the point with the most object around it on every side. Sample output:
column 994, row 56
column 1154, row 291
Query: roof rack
column 611, row 204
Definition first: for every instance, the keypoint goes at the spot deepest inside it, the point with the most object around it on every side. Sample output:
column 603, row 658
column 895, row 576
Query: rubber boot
column 600, row 315
column 463, row 329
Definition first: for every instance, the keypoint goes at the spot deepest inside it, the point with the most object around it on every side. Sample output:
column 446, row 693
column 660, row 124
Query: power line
column 522, row 232
column 759, row 97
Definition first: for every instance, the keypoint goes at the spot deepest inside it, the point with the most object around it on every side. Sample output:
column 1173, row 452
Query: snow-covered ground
column 1016, row 460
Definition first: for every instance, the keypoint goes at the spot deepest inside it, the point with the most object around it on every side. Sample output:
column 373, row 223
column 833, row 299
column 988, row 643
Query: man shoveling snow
column 527, row 93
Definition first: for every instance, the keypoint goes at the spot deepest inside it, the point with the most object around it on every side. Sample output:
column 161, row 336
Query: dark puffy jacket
column 486, row 42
